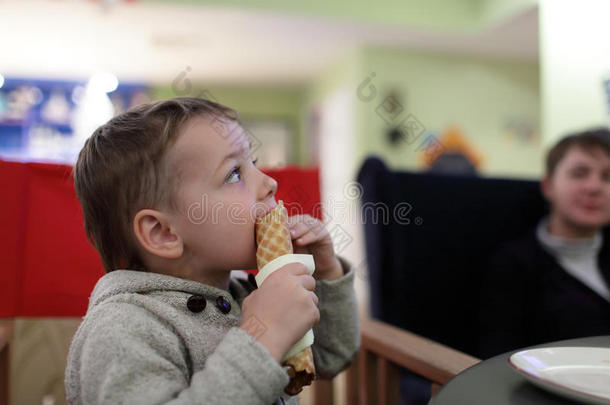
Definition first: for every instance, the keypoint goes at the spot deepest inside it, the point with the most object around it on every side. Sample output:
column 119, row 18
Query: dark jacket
column 528, row 299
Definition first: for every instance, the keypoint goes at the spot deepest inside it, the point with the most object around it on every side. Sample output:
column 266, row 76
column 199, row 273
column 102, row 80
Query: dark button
column 223, row 305
column 196, row 303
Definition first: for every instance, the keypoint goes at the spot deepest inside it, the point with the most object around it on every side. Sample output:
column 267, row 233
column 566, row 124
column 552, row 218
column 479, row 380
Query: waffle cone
column 302, row 373
column 272, row 236
column 273, row 240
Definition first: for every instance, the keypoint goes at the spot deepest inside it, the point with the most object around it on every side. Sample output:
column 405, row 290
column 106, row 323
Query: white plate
column 581, row 373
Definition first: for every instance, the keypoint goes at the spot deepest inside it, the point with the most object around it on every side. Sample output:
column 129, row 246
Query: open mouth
column 261, row 213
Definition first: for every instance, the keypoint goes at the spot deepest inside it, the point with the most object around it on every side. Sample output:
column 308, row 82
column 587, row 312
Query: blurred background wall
column 575, row 64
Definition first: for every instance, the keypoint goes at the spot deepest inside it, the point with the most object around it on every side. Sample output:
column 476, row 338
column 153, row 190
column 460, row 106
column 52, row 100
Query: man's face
column 579, row 189
column 220, row 196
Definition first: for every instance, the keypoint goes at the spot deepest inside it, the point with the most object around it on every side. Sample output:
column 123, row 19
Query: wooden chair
column 373, row 378
column 6, row 332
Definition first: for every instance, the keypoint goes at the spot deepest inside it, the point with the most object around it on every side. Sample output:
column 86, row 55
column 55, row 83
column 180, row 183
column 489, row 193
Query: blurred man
column 554, row 283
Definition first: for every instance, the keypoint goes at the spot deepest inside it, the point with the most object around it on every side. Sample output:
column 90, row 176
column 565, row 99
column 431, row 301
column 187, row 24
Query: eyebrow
column 581, row 165
column 233, row 155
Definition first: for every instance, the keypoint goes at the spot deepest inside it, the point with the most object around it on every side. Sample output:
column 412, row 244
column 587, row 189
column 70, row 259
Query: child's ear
column 156, row 234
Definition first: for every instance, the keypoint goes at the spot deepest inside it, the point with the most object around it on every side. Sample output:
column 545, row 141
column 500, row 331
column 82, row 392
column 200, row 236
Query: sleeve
column 133, row 357
column 503, row 304
column 337, row 335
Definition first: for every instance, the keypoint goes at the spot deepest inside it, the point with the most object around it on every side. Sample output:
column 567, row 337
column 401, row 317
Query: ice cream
column 273, row 240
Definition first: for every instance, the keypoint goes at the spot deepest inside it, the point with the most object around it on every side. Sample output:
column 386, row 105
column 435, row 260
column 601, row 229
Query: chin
column 586, row 220
column 250, row 262
column 252, row 265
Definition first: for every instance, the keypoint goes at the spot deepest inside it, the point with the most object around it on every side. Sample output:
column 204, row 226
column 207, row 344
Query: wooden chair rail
column 6, row 334
column 433, row 361
column 374, row 377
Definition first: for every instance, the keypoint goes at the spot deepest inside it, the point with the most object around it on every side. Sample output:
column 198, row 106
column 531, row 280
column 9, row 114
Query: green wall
column 437, row 14
column 442, row 15
column 284, row 103
column 495, row 11
column 484, row 98
column 480, row 96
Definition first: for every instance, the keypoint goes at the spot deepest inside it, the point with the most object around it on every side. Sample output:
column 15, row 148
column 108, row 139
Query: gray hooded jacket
column 149, row 339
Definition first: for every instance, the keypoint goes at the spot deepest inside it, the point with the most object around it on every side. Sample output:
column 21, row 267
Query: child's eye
column 234, row 176
column 254, row 161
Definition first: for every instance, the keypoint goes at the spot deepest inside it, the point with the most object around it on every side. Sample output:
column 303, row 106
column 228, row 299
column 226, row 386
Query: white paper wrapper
column 268, row 269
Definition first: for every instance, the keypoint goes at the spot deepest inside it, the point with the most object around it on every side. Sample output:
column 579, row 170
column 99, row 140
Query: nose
column 268, row 188
column 594, row 183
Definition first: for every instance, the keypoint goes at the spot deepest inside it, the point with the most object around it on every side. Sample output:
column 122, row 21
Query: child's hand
column 282, row 309
column 310, row 236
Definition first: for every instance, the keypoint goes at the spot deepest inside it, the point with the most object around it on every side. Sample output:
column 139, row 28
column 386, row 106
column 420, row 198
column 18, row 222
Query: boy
column 169, row 194
column 554, row 283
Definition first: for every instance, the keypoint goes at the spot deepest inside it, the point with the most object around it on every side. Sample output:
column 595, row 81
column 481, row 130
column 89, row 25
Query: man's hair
column 594, row 139
column 122, row 169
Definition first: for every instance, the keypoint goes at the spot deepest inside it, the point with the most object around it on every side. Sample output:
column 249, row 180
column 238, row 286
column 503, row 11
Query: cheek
column 234, row 237
column 238, row 214
column 565, row 193
column 606, row 194
column 226, row 232
column 232, row 223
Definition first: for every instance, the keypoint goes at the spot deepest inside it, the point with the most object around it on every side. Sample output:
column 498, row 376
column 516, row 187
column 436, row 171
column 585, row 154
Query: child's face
column 220, row 196
column 579, row 189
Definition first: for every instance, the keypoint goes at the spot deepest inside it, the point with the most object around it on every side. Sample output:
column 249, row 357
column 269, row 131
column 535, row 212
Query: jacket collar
column 131, row 281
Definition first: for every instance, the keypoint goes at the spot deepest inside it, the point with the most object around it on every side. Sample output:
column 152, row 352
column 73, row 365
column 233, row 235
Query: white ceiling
column 156, row 42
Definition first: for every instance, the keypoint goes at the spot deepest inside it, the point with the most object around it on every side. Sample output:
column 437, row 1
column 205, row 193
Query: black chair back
column 427, row 260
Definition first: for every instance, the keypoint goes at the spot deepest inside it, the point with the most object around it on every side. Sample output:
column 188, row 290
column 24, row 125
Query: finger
column 297, row 269
column 316, row 230
column 308, row 282
column 290, row 269
column 295, row 219
column 312, row 236
column 314, row 298
column 308, row 220
column 317, row 317
column 299, row 230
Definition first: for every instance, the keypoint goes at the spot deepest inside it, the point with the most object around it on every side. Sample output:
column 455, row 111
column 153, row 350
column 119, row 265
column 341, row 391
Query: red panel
column 13, row 180
column 299, row 188
column 47, row 266
column 61, row 267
